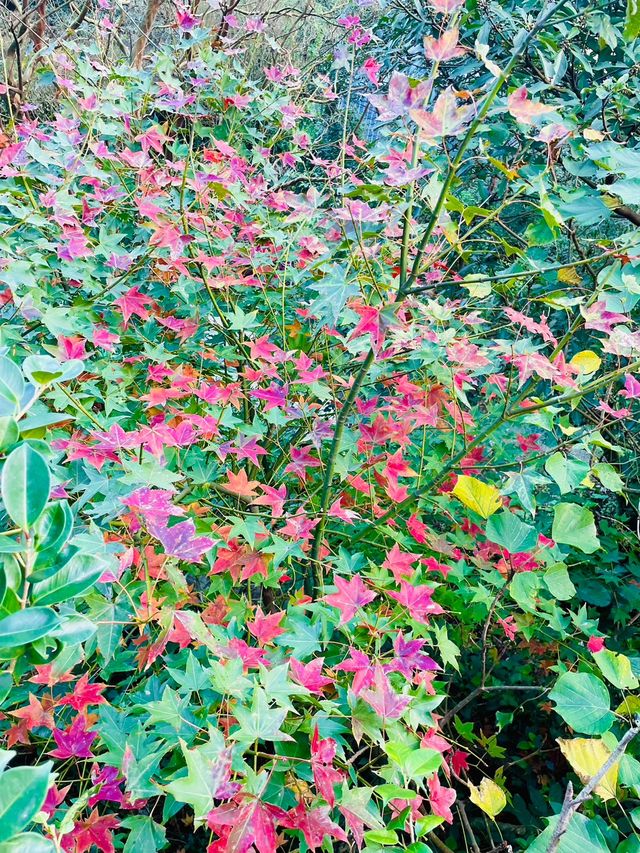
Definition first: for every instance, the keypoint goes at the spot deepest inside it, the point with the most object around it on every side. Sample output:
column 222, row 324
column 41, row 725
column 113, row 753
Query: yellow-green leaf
column 478, row 496
column 489, row 797
column 586, row 362
column 586, row 756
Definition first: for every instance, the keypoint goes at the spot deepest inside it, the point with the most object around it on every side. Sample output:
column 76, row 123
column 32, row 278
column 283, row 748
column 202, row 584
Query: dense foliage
column 318, row 405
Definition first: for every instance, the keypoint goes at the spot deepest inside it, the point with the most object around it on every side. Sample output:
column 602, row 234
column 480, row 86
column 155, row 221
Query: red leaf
column 314, row 824
column 351, row 596
column 250, row 823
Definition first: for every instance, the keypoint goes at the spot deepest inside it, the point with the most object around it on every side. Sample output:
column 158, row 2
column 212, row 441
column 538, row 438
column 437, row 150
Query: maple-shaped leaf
column 309, row 675
column 260, row 721
column 523, row 108
column 441, row 798
column 446, row 118
column 399, row 563
column 239, row 484
column 265, row 628
column 360, row 664
column 325, row 775
column 85, row 694
column 351, row 596
column 133, row 303
column 409, row 657
column 208, row 777
column 387, row 704
column 36, row 713
column 444, row 48
column 417, row 600
column 315, row 825
column 180, row 540
column 74, row 741
column 400, row 98
column 249, row 823
column 96, row 831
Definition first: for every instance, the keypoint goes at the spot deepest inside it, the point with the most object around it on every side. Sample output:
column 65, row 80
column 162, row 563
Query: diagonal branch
column 571, row 804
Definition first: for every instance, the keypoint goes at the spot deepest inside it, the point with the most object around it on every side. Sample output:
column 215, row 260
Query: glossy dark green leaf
column 26, row 626
column 79, row 574
column 22, row 794
column 26, row 483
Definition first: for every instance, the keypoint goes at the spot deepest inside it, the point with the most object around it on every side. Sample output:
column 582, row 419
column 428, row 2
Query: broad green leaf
column 77, row 576
column 575, row 525
column 22, row 793
column 413, row 762
column 477, row 496
column 632, row 20
column 381, row 836
column 26, row 483
column 506, row 530
column 567, row 471
column 582, row 836
column 54, row 526
column 583, row 702
column 616, row 669
column 609, row 477
column 26, row 626
column 558, row 582
column 11, row 381
column 28, row 842
column 9, row 432
column 302, row 637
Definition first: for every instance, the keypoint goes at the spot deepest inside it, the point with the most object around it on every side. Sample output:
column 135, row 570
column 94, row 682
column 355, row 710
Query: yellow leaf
column 568, row 275
column 478, row 496
column 586, row 756
column 593, row 135
column 489, row 797
column 586, row 361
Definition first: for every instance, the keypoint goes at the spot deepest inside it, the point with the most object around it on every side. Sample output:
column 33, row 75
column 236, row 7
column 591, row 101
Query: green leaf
column 609, row 477
column 11, row 381
column 414, row 762
column 524, row 589
column 575, row 525
column 22, row 794
column 583, row 702
column 9, row 432
column 302, row 637
column 381, row 836
column 259, row 722
column 582, row 835
column 204, row 776
column 145, row 835
column 77, row 576
column 28, row 842
column 616, row 669
column 54, row 527
column 26, row 483
column 567, row 471
column 26, row 626
column 632, row 20
column 558, row 582
column 333, row 292
column 506, row 530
